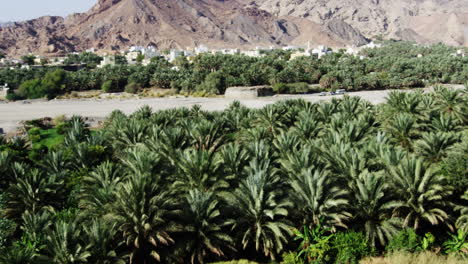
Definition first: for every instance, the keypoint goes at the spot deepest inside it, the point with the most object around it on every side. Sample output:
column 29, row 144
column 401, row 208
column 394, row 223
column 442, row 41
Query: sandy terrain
column 13, row 113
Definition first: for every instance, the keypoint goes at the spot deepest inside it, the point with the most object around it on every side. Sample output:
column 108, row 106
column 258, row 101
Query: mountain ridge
column 118, row 24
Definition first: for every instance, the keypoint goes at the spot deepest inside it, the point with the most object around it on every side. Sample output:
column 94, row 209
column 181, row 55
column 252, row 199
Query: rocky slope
column 117, row 24
column 418, row 20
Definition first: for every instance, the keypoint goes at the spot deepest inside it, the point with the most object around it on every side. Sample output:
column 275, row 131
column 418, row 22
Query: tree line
column 396, row 65
column 297, row 182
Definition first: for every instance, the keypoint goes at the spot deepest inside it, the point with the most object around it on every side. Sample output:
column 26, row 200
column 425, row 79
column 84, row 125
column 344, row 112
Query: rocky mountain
column 117, row 24
column 6, row 24
column 416, row 20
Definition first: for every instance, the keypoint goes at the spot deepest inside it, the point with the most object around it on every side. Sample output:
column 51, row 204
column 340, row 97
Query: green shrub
column 315, row 244
column 62, row 128
column 292, row 258
column 107, row 86
column 280, row 88
column 50, row 86
column 457, row 243
column 133, row 88
column 214, row 83
column 12, row 96
column 351, row 247
column 405, row 240
column 7, row 227
column 298, row 88
column 37, row 152
column 34, row 134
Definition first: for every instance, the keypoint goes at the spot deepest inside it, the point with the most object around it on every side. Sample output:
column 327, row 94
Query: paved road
column 11, row 114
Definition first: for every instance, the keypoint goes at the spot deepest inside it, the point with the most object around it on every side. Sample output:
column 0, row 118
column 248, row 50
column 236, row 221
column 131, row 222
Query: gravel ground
column 11, row 114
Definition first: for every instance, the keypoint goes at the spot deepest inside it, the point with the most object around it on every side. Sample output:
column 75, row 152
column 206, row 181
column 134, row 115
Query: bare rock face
column 118, row 24
column 421, row 20
column 346, row 32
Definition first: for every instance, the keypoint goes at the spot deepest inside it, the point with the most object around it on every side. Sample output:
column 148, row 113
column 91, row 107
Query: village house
column 460, row 53
column 173, row 54
column 107, row 60
column 298, row 54
column 201, row 49
column 132, row 57
column 321, row 51
column 4, row 90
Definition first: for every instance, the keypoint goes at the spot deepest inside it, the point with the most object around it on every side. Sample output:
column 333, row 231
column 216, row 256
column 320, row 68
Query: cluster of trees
column 307, row 183
column 395, row 65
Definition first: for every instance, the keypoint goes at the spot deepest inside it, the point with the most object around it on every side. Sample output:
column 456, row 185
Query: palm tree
column 232, row 160
column 77, row 132
column 452, row 102
column 142, row 211
column 206, row 234
column 373, row 207
column 444, row 123
column 286, row 142
column 64, row 244
column 307, row 127
column 270, row 117
column 402, row 128
column 128, row 132
column 319, row 199
column 307, row 157
column 100, row 237
column 36, row 226
column 462, row 221
column 434, row 146
column 99, row 189
column 5, row 171
column 34, row 190
column 353, row 106
column 424, row 196
column 55, row 162
column 207, row 135
column 21, row 255
column 198, row 169
column 261, row 214
column 403, row 102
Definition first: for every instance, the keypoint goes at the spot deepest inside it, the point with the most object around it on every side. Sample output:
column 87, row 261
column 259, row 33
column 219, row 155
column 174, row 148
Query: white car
column 341, row 91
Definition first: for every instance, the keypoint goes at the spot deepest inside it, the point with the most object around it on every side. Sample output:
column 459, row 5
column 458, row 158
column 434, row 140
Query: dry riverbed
column 11, row 114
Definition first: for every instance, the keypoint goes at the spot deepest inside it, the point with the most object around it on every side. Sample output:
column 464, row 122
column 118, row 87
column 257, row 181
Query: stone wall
column 250, row 92
column 3, row 93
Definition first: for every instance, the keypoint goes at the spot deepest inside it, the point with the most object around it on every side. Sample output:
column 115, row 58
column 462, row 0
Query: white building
column 132, row 57
column 321, row 51
column 136, row 49
column 188, row 53
column 372, row 45
column 201, row 49
column 107, row 60
column 292, row 48
column 4, row 90
column 252, row 53
column 173, row 54
column 150, row 52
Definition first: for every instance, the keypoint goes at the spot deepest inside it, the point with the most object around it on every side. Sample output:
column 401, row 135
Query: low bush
column 405, row 240
column 133, row 88
column 292, row 88
column 107, row 86
column 350, row 247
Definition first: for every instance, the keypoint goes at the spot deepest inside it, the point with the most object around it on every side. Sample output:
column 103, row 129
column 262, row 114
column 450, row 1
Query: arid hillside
column 118, row 24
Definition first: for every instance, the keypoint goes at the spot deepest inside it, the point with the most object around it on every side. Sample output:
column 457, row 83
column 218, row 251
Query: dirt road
column 13, row 113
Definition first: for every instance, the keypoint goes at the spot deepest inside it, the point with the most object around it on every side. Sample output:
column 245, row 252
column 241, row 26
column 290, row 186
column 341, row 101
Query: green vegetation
column 293, row 182
column 397, row 65
column 49, row 86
